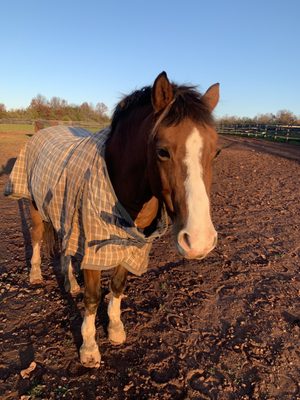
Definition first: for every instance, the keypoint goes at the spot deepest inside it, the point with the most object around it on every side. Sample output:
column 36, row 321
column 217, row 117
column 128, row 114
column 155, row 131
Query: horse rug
column 63, row 170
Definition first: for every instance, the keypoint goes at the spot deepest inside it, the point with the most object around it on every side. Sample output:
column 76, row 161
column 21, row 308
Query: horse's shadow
column 75, row 315
column 25, row 227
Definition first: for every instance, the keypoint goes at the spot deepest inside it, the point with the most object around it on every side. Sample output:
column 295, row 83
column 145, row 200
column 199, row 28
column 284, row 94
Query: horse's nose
column 190, row 248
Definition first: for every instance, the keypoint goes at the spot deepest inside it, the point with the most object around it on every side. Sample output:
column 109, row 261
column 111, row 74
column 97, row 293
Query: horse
column 156, row 159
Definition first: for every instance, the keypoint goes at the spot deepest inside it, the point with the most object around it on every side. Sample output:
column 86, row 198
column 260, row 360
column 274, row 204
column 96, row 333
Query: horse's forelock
column 187, row 103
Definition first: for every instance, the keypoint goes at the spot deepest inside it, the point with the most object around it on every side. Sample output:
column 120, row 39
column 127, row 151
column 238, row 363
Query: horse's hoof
column 90, row 358
column 35, row 274
column 116, row 333
column 35, row 279
column 74, row 290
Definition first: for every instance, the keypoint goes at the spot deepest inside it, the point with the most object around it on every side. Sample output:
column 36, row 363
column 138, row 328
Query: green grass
column 26, row 128
column 29, row 128
column 36, row 391
column 92, row 129
column 61, row 391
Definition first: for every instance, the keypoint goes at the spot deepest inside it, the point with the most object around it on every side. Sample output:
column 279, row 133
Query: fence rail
column 286, row 133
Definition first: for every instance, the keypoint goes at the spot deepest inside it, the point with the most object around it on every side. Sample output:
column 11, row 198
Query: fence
column 89, row 125
column 283, row 133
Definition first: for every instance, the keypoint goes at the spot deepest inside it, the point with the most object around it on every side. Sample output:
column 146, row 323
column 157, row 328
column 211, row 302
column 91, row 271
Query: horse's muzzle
column 186, row 249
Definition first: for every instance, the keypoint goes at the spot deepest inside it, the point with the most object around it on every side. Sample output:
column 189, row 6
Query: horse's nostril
column 186, row 238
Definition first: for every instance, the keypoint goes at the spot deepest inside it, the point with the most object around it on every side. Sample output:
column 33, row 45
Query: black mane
column 188, row 104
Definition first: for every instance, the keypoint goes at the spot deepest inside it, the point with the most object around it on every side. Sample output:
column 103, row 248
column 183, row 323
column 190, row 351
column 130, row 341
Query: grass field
column 29, row 128
column 14, row 136
column 25, row 128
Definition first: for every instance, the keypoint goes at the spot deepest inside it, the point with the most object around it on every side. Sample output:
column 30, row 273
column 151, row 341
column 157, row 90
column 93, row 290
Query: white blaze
column 199, row 226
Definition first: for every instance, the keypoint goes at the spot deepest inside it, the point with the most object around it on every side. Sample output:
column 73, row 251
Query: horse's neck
column 126, row 158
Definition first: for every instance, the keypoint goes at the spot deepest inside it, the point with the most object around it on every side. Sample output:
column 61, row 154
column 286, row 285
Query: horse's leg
column 116, row 332
column 70, row 284
column 89, row 351
column 37, row 232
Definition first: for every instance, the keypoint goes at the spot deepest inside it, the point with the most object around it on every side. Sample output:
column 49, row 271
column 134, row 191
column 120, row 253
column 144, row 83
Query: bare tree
column 2, row 110
column 286, row 117
column 267, row 118
column 101, row 109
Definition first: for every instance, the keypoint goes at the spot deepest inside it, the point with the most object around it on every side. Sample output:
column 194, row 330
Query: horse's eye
column 163, row 154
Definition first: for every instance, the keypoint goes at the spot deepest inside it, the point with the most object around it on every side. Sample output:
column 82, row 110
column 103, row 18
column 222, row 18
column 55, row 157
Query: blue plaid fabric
column 64, row 171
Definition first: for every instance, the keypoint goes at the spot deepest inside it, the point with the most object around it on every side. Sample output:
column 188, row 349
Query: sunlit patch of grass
column 36, row 391
column 61, row 390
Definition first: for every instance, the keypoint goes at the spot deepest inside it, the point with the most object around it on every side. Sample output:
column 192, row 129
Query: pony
column 157, row 156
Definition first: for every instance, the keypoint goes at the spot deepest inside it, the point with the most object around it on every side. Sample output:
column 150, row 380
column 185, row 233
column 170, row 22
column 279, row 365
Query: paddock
column 228, row 324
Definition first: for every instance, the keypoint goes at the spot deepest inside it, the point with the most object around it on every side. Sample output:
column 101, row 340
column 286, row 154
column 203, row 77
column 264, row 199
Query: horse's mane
column 188, row 103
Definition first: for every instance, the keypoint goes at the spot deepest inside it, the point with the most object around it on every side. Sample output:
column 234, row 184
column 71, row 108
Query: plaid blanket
column 64, row 171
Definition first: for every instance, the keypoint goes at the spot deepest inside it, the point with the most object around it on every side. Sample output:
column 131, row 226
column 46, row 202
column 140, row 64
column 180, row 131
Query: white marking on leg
column 114, row 309
column 199, row 226
column 116, row 332
column 36, row 253
column 35, row 275
column 89, row 351
column 88, row 330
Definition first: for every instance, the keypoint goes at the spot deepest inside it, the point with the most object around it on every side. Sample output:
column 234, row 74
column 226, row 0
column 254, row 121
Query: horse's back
column 42, row 159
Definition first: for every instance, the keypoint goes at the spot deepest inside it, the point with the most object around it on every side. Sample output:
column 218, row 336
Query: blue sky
column 96, row 51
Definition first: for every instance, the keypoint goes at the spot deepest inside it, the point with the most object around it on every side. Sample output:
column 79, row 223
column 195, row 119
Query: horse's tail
column 50, row 239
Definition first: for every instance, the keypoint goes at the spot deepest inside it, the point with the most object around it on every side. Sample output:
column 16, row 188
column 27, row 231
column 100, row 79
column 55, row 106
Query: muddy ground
column 227, row 327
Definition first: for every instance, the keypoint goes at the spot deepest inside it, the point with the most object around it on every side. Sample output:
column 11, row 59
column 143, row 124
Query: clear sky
column 95, row 50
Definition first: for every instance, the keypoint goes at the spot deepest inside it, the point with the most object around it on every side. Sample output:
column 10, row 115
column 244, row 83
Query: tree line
column 282, row 117
column 57, row 109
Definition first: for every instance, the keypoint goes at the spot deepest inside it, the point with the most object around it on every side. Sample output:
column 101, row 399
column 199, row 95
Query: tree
column 101, row 109
column 39, row 107
column 2, row 110
column 285, row 117
column 228, row 120
column 55, row 103
column 58, row 109
column 39, row 101
column 265, row 119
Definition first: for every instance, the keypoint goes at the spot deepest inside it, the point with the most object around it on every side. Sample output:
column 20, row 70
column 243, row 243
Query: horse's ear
column 211, row 96
column 162, row 92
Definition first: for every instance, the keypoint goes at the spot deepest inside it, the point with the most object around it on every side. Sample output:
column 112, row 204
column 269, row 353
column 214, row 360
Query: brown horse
column 158, row 156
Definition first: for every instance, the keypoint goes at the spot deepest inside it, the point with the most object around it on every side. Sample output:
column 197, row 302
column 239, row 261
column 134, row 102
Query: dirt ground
column 227, row 327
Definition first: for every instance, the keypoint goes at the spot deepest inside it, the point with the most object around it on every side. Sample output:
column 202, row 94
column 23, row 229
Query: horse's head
column 182, row 147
